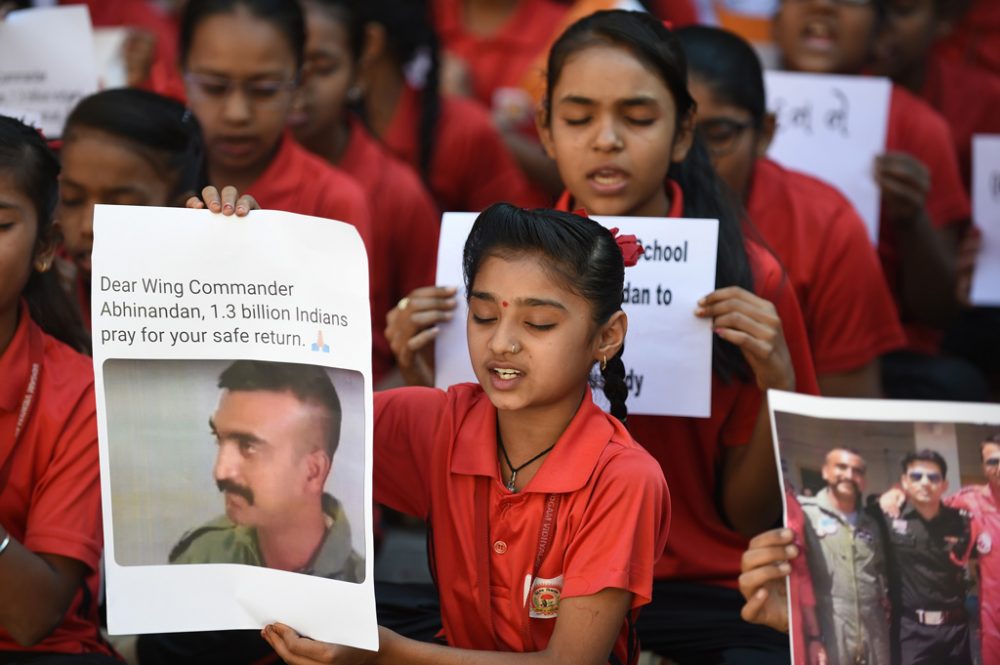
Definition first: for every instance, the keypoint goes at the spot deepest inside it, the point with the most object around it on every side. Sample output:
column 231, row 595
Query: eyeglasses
column 264, row 92
column 917, row 476
column 720, row 135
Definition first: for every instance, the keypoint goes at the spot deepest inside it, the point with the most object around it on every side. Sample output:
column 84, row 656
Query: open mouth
column 818, row 34
column 506, row 373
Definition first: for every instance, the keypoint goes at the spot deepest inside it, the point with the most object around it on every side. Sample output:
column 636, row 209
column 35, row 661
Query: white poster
column 668, row 350
column 892, row 506
column 832, row 127
column 233, row 382
column 47, row 64
column 986, row 215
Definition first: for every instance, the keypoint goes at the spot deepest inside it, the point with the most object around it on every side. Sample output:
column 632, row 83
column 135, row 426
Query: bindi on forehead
column 504, row 303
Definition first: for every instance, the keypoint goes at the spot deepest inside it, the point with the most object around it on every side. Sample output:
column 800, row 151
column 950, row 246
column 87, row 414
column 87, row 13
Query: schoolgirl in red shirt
column 450, row 141
column 125, row 147
column 242, row 60
column 822, row 243
column 50, row 510
column 925, row 209
column 404, row 215
column 545, row 515
column 619, row 122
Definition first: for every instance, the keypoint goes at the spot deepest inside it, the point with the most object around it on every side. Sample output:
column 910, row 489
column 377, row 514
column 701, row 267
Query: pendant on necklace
column 510, row 483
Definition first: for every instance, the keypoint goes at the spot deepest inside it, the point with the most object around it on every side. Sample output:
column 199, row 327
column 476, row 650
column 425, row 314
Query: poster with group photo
column 668, row 350
column 895, row 507
column 232, row 360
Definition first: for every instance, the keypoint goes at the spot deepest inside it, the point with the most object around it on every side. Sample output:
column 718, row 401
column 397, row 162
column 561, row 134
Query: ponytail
column 613, row 383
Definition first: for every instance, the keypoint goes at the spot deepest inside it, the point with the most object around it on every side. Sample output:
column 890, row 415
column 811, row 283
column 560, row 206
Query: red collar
column 674, row 192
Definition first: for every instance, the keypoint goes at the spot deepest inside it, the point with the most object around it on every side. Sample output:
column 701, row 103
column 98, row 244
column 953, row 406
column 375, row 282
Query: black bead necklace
column 513, row 470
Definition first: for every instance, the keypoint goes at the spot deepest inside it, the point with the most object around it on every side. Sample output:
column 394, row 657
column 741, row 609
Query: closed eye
column 575, row 122
column 482, row 320
column 540, row 326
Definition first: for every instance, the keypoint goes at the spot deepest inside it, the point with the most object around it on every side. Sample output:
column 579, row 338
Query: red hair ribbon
column 629, row 246
column 669, row 25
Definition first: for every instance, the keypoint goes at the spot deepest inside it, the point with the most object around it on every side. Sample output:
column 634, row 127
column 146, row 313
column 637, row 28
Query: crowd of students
column 385, row 113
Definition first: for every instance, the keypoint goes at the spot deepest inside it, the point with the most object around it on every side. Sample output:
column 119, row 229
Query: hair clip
column 630, row 248
column 669, row 25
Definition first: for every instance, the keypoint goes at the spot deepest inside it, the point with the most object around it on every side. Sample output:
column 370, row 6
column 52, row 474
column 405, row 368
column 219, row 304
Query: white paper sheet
column 986, row 215
column 157, row 372
column 805, row 429
column 109, row 51
column 47, row 64
column 668, row 351
column 832, row 127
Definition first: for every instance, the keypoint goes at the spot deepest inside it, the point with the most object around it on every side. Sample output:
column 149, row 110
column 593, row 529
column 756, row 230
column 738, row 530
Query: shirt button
column 499, row 547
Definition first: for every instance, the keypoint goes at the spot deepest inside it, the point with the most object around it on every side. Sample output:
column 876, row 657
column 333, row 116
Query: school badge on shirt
column 544, row 597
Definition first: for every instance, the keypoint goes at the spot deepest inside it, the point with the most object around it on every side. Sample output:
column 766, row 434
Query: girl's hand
column 762, row 582
column 227, row 202
column 752, row 324
column 412, row 325
column 904, row 182
column 297, row 650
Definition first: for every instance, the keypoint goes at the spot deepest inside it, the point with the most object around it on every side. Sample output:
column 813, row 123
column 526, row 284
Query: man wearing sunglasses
column 929, row 546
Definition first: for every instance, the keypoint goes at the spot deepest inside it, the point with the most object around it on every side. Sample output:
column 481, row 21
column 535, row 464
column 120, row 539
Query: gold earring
column 604, row 362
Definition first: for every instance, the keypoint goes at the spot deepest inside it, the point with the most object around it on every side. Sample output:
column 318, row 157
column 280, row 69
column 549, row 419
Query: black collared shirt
column 928, row 558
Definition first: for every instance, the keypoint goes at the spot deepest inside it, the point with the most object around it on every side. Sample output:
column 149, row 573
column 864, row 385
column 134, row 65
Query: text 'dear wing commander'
column 277, row 426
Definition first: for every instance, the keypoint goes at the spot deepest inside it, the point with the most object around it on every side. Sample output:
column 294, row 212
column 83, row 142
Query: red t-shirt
column 51, row 498
column 976, row 38
column 298, row 181
column 800, row 579
column 979, row 501
column 436, row 458
column 849, row 312
column 703, row 549
column 471, row 168
column 968, row 97
column 507, row 58
column 918, row 130
column 407, row 224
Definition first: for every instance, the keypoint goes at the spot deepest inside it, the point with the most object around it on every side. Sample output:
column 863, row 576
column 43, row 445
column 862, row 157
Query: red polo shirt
column 298, row 181
column 702, row 548
column 406, row 222
column 849, row 312
column 471, row 168
column 436, row 458
column 968, row 97
column 51, row 498
column 918, row 130
column 508, row 58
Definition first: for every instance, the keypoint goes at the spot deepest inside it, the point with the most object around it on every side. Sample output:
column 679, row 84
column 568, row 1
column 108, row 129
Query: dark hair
column 728, row 65
column 925, row 455
column 285, row 15
column 35, row 170
column 309, row 383
column 150, row 121
column 579, row 252
column 990, row 438
column 410, row 35
column 704, row 193
column 347, row 13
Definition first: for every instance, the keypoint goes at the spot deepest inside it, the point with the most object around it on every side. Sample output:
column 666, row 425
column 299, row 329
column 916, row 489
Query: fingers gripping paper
column 233, row 377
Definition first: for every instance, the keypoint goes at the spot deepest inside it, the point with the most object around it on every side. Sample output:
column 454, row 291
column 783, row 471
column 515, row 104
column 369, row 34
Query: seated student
column 619, row 125
column 451, row 141
column 525, row 451
column 403, row 213
column 242, row 60
column 822, row 243
column 125, row 147
column 50, row 510
column 924, row 208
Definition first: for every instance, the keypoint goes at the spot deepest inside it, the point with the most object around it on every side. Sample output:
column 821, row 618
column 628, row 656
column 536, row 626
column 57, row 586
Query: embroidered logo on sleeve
column 984, row 543
column 544, row 597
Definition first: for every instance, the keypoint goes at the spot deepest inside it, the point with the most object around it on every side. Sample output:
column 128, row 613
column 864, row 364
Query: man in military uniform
column 846, row 560
column 277, row 426
column 928, row 546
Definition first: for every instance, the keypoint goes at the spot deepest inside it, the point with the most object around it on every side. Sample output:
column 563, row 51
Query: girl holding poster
column 50, row 515
column 546, row 517
column 619, row 121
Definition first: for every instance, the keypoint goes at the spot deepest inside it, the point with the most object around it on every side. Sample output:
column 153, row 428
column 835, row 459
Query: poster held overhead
column 233, row 384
